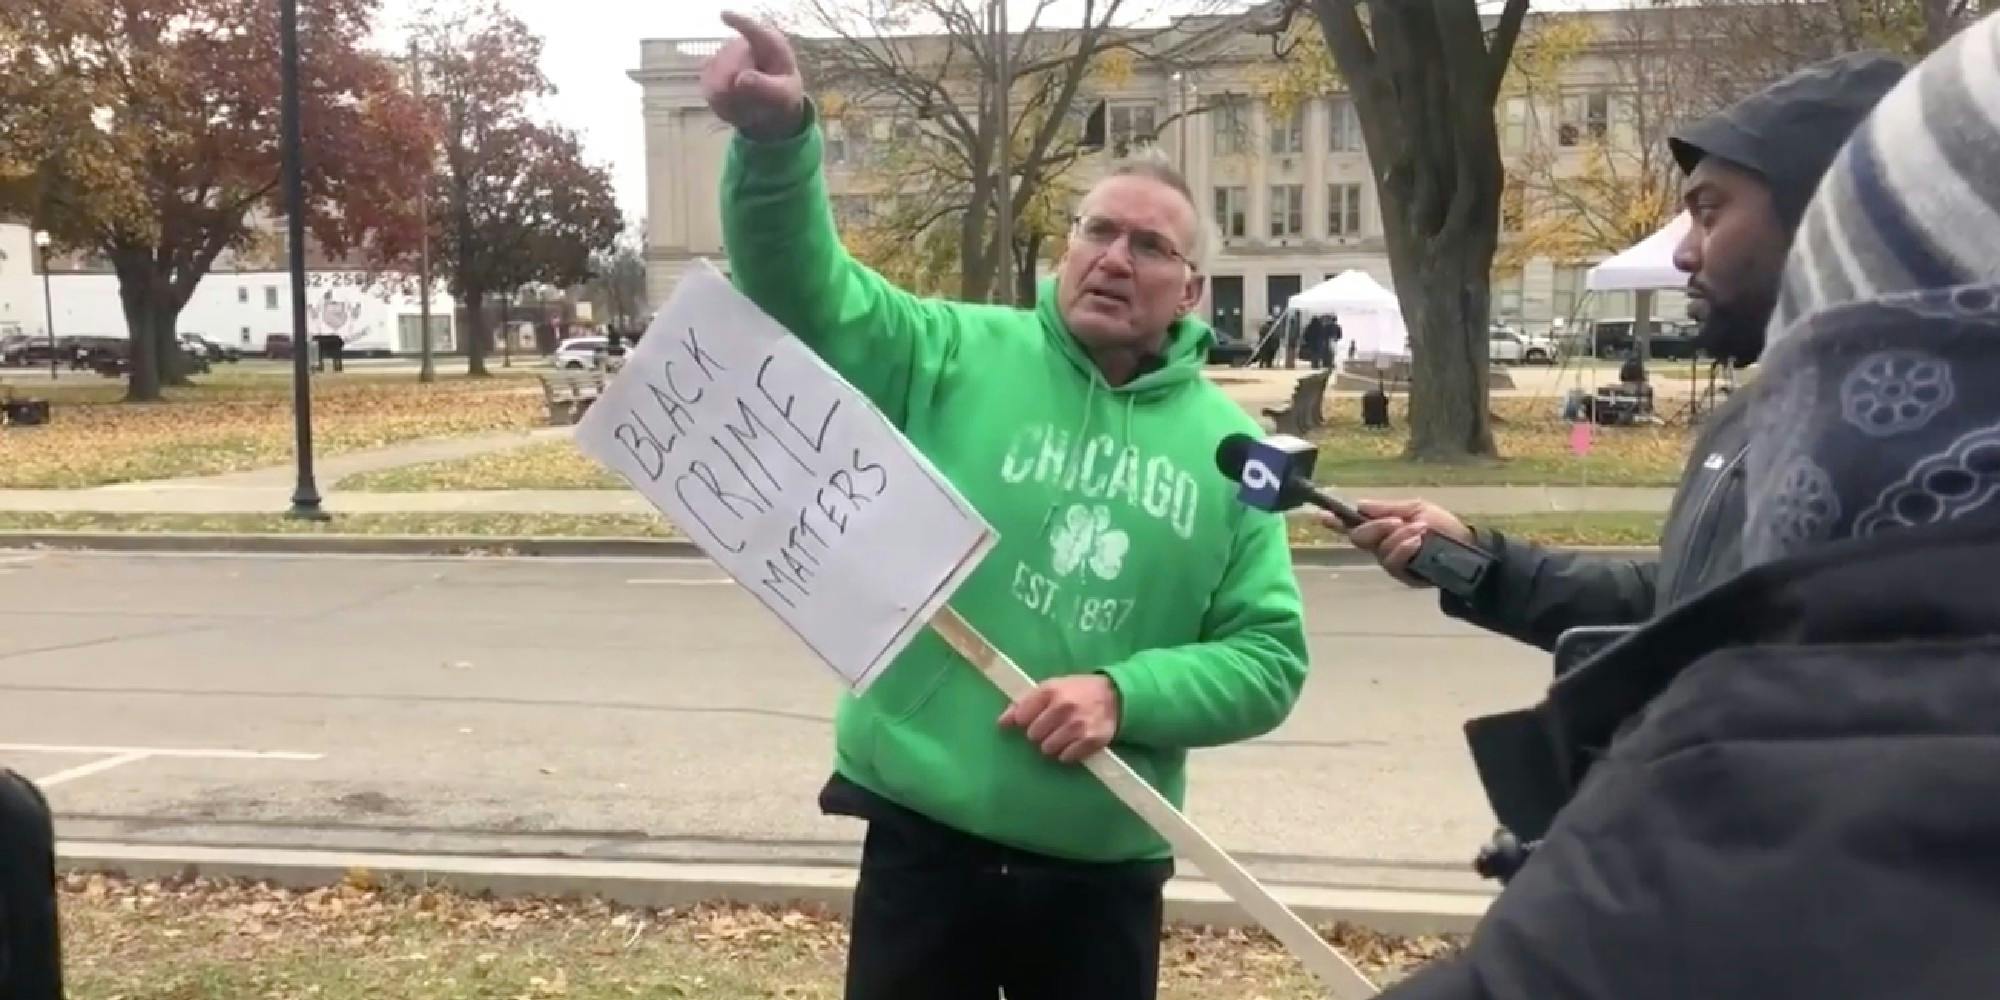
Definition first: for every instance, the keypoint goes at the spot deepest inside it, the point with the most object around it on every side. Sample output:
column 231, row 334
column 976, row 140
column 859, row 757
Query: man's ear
column 1191, row 294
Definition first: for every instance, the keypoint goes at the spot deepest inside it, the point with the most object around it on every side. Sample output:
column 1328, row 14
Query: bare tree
column 1763, row 40
column 911, row 90
column 1591, row 172
column 1424, row 76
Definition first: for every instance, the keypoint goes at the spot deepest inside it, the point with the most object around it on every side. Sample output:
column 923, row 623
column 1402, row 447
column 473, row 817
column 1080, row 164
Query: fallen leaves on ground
column 1534, row 444
column 244, row 941
column 1533, row 440
column 496, row 526
column 1581, row 528
column 242, row 422
column 552, row 465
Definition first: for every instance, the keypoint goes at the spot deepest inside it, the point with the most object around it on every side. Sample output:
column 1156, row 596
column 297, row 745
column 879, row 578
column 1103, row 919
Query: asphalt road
column 603, row 708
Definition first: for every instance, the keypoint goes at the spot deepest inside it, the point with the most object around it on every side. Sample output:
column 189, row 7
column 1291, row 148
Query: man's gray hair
column 1151, row 162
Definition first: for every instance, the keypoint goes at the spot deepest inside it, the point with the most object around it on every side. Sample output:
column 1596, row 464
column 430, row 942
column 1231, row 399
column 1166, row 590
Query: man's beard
column 1734, row 331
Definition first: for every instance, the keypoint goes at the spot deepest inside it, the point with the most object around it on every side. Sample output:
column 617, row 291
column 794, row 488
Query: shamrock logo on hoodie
column 1086, row 538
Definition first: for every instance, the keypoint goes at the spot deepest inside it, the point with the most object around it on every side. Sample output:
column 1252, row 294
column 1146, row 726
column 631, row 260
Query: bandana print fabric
column 1877, row 416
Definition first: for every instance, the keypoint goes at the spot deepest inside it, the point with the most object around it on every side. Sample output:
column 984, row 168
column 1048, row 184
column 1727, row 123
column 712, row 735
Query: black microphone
column 1274, row 474
column 1278, row 460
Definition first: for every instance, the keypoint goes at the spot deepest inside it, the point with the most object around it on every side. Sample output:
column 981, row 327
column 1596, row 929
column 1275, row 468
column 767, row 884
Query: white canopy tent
column 1371, row 320
column 1645, row 267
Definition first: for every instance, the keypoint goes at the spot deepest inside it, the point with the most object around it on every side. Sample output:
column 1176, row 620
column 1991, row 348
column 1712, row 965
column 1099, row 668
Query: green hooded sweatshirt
column 1121, row 549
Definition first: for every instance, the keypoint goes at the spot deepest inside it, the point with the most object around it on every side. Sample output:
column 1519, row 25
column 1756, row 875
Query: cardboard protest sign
column 785, row 475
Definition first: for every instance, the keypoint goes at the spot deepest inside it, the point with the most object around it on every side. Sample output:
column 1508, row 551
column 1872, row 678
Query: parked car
column 1670, row 339
column 1507, row 346
column 201, row 346
column 1230, row 348
column 580, row 352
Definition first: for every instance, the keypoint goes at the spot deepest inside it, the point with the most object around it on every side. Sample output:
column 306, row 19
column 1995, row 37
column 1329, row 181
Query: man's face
column 1126, row 277
column 1734, row 256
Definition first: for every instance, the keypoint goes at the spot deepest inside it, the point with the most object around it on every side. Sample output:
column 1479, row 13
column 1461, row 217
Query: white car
column 581, row 353
column 1509, row 347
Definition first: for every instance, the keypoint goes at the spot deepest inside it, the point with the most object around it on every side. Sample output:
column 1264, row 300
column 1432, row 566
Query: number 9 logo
column 1258, row 476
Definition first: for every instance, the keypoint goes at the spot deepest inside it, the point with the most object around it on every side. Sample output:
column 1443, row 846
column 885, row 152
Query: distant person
column 1750, row 171
column 1157, row 612
column 1788, row 784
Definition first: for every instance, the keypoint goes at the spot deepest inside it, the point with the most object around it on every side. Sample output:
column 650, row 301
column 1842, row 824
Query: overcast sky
column 593, row 44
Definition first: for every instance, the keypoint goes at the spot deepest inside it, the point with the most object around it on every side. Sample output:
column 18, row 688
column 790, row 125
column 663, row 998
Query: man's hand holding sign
column 869, row 463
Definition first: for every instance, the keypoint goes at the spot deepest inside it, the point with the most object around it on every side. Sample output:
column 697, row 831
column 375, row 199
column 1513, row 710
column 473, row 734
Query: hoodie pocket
column 905, row 688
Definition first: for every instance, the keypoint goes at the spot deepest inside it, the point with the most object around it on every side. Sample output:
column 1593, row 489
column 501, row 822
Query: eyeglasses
column 1148, row 247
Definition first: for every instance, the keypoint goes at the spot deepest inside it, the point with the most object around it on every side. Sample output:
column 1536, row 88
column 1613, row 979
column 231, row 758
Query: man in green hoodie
column 1158, row 613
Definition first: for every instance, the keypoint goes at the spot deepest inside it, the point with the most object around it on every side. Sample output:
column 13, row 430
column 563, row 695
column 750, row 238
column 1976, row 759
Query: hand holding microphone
column 1394, row 533
column 1420, row 544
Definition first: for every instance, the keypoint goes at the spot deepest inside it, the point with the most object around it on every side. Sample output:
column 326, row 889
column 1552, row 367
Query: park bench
column 569, row 393
column 1307, row 412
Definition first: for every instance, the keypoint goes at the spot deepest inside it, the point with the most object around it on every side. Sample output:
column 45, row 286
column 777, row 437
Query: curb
column 496, row 545
column 660, row 885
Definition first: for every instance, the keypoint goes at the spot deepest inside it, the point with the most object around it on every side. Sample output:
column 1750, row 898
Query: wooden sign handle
column 1340, row 976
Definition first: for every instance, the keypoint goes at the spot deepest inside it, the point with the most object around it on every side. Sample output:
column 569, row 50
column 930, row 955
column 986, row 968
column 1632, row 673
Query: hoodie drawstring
column 1071, row 455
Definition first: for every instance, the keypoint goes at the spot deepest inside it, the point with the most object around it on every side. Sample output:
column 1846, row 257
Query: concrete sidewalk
column 270, row 492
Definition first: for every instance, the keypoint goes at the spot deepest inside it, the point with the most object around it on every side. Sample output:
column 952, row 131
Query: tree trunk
column 172, row 360
column 1443, row 285
column 476, row 342
column 144, row 298
column 1025, row 270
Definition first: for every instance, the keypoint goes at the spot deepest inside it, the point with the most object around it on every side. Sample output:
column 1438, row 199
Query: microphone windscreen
column 1232, row 453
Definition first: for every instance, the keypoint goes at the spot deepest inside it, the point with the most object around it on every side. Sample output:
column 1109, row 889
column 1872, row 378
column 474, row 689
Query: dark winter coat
column 1799, row 794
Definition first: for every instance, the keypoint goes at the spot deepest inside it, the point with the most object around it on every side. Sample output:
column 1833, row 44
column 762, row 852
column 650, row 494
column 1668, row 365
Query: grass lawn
column 1555, row 529
column 235, row 421
column 1615, row 528
column 1535, row 442
column 181, row 941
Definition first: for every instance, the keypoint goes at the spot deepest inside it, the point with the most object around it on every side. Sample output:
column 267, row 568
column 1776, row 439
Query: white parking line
column 86, row 770
column 159, row 752
column 694, row 582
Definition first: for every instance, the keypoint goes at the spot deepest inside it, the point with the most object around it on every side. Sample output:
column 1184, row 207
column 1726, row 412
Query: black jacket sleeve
column 1534, row 594
column 1449, row 978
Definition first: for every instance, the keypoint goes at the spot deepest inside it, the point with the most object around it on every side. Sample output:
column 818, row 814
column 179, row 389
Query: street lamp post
column 1005, row 234
column 305, row 496
column 42, row 243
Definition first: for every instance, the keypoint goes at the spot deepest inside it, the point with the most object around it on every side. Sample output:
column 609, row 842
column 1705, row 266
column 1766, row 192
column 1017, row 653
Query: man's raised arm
column 778, row 227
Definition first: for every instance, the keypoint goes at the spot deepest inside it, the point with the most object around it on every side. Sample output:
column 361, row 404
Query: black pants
column 30, row 940
column 939, row 915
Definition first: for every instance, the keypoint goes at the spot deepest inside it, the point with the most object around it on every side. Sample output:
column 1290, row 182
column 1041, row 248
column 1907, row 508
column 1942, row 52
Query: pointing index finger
column 767, row 46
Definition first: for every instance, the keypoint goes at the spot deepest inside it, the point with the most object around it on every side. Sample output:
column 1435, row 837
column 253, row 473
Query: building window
column 1343, row 126
column 1513, row 207
column 1507, row 296
column 1343, row 210
column 243, row 294
column 1288, row 132
column 836, row 142
column 1232, row 211
column 1288, row 210
column 271, row 297
column 1231, row 121
column 850, row 209
column 1567, row 281
column 1514, row 124
column 1586, row 118
column 1131, row 125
